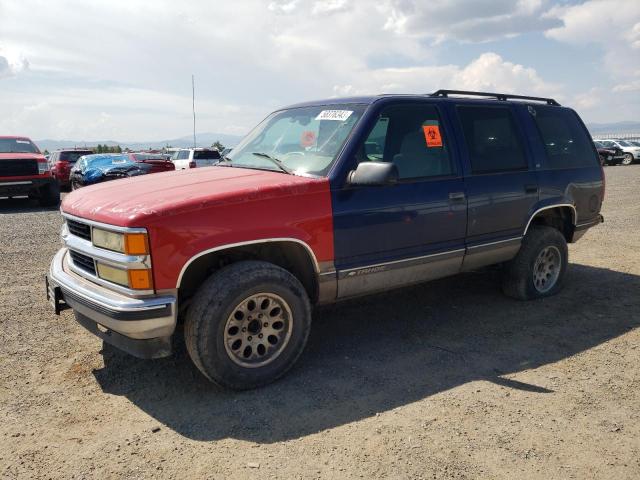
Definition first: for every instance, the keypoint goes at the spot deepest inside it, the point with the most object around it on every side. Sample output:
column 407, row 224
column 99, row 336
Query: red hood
column 22, row 156
column 133, row 201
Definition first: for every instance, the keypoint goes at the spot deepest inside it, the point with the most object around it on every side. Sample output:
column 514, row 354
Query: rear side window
column 492, row 139
column 71, row 157
column 565, row 140
column 206, row 155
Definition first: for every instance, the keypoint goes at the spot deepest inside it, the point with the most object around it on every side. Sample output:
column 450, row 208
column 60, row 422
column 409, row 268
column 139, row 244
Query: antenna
column 193, row 107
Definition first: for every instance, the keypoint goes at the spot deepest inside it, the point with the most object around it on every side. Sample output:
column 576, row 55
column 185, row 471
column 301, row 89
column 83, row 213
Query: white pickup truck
column 195, row 158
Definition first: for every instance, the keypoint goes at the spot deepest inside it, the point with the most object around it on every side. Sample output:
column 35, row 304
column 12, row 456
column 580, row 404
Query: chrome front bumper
column 132, row 324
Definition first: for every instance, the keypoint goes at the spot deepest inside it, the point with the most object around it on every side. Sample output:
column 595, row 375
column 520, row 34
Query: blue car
column 102, row 167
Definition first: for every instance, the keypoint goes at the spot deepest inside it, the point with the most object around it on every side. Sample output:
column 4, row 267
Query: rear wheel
column 627, row 159
column 540, row 266
column 50, row 195
column 248, row 324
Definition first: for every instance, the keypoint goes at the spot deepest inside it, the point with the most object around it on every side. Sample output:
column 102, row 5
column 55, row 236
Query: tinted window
column 71, row 157
column 206, row 155
column 565, row 140
column 183, row 155
column 492, row 140
column 411, row 137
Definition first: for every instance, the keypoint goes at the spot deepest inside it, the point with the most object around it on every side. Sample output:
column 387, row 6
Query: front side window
column 565, row 140
column 411, row 137
column 304, row 140
column 492, row 139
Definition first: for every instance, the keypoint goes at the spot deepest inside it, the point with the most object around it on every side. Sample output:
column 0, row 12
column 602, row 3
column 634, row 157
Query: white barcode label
column 340, row 115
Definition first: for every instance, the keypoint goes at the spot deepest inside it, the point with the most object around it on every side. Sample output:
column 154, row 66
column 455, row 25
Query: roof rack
column 499, row 96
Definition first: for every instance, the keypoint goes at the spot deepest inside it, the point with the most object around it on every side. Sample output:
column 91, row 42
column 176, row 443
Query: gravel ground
column 445, row 380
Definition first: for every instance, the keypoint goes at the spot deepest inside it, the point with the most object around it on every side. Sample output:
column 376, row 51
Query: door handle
column 531, row 188
column 456, row 196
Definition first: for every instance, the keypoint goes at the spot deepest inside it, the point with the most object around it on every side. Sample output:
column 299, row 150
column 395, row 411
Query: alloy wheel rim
column 546, row 269
column 258, row 330
column 628, row 158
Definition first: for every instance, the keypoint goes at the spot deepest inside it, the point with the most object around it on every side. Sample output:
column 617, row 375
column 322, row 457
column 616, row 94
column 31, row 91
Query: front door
column 392, row 235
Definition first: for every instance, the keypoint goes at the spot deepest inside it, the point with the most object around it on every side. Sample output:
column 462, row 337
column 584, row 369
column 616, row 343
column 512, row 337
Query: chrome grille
column 79, row 229
column 83, row 262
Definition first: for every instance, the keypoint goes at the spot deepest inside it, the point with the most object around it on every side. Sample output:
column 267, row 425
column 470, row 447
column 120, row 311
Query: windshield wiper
column 275, row 161
column 224, row 160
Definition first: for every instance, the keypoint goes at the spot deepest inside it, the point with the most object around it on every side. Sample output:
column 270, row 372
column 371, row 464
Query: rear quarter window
column 565, row 139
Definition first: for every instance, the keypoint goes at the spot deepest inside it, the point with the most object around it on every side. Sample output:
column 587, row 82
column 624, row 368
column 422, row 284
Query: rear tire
column 50, row 195
column 539, row 268
column 247, row 324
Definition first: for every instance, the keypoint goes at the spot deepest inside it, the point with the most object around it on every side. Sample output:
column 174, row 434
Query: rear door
column 500, row 182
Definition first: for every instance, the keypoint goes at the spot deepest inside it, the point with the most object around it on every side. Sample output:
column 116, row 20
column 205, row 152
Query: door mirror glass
column 373, row 173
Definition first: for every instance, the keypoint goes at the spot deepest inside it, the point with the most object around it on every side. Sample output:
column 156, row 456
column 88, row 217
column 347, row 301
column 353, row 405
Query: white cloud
column 124, row 69
column 11, row 63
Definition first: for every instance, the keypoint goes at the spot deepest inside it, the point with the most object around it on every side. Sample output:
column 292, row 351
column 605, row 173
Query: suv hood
column 135, row 201
column 21, row 156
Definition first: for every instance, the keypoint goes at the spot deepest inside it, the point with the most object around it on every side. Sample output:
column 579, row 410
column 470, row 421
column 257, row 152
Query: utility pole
column 193, row 107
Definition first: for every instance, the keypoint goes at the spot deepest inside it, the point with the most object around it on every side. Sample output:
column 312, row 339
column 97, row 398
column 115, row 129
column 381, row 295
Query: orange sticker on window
column 308, row 138
column 432, row 135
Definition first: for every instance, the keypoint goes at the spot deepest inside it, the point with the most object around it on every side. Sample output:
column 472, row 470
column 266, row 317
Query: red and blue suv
column 324, row 201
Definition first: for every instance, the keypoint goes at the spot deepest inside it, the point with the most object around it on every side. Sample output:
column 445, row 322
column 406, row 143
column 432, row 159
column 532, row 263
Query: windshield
column 306, row 140
column 623, row 143
column 17, row 145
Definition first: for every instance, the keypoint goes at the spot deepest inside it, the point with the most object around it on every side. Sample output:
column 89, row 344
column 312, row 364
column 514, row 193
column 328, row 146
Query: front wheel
column 50, row 195
column 627, row 159
column 539, row 268
column 247, row 325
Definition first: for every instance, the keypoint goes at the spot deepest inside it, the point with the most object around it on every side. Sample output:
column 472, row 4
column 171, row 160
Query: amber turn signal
column 140, row 279
column 136, row 244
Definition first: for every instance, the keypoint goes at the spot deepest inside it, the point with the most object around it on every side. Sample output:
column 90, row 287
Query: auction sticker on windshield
column 340, row 115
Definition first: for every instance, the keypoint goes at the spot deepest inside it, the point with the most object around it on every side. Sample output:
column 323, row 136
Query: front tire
column 247, row 324
column 50, row 195
column 628, row 159
column 539, row 268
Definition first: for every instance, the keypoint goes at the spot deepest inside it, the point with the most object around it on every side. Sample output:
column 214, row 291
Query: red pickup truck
column 25, row 172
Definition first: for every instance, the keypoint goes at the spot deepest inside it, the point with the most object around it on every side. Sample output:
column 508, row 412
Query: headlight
column 109, row 240
column 135, row 279
column 43, row 167
column 129, row 243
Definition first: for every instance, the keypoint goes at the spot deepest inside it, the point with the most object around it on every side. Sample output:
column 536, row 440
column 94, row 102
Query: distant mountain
column 202, row 139
column 618, row 127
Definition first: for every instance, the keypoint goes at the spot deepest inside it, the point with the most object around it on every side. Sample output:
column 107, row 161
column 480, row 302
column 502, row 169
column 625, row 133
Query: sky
column 98, row 70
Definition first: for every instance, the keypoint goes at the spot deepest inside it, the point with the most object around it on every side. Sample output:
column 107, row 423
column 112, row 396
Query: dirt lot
column 445, row 380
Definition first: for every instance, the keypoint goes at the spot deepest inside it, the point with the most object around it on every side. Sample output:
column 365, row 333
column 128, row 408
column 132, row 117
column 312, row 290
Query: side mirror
column 373, row 173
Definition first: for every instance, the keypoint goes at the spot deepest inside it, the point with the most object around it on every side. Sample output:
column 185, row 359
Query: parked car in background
column 195, row 158
column 631, row 153
column 609, row 155
column 25, row 172
column 62, row 161
column 301, row 213
column 102, row 167
column 157, row 161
